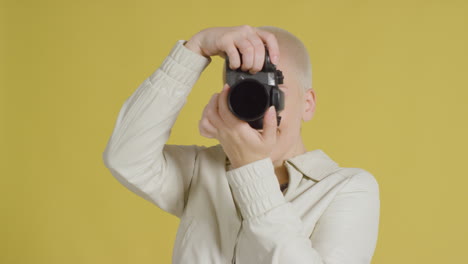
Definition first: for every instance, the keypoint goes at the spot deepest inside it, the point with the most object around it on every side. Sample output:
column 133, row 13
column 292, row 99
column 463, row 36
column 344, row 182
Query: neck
column 280, row 169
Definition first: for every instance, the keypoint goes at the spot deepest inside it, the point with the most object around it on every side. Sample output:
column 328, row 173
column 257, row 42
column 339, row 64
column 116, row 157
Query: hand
column 241, row 143
column 250, row 42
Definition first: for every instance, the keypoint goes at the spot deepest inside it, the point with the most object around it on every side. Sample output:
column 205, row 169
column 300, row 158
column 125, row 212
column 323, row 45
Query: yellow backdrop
column 391, row 84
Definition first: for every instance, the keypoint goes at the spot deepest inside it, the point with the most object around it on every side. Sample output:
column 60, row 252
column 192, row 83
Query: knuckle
column 246, row 28
column 230, row 53
column 249, row 49
column 233, row 56
column 225, row 40
column 269, row 36
column 259, row 45
column 209, row 112
column 271, row 40
column 201, row 126
column 222, row 114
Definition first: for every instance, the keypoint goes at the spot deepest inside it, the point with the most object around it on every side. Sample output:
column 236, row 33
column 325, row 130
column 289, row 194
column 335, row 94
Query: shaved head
column 295, row 54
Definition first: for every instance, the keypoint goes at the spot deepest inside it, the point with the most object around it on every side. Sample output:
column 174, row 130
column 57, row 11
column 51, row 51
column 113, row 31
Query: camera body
column 250, row 95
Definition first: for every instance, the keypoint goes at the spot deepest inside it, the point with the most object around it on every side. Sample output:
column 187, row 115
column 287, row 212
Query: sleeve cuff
column 255, row 187
column 181, row 66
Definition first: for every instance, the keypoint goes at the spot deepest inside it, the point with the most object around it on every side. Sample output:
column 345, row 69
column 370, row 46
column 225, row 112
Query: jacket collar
column 314, row 164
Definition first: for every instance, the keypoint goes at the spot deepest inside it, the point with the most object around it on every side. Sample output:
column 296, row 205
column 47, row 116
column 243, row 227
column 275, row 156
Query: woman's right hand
column 247, row 40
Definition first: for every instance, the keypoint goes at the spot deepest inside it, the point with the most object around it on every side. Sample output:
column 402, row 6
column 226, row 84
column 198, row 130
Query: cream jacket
column 328, row 214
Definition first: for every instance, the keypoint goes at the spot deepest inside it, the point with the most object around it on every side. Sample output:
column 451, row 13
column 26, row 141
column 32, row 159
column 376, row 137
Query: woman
column 232, row 197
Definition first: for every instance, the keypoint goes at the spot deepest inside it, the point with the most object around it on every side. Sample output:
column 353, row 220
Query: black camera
column 250, row 95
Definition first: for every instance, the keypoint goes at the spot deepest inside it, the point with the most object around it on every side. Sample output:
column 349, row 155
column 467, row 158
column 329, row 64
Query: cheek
column 285, row 112
column 290, row 113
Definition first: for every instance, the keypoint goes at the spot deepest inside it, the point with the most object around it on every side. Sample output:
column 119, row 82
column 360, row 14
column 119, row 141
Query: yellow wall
column 391, row 83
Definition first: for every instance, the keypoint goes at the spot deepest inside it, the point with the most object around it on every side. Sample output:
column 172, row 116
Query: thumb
column 270, row 124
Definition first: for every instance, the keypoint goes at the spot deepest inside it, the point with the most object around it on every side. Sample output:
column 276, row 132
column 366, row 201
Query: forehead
column 289, row 72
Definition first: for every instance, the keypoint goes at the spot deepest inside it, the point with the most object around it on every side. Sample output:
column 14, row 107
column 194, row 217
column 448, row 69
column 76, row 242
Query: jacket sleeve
column 272, row 229
column 137, row 154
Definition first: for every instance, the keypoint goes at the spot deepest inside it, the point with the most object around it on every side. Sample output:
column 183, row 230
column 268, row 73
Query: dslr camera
column 250, row 95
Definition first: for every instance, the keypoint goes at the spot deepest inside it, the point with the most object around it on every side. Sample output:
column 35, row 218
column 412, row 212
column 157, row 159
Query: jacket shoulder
column 359, row 180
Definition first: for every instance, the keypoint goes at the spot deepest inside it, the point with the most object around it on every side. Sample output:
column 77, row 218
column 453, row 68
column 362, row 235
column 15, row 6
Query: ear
column 309, row 104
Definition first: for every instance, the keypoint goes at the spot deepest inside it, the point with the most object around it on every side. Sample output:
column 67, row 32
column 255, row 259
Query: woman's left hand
column 241, row 143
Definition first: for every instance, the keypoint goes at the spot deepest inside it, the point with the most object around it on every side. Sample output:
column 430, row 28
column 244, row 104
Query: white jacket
column 328, row 214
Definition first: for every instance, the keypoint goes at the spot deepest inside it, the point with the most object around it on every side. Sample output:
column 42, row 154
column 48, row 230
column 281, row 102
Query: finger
column 272, row 45
column 210, row 106
column 259, row 53
column 234, row 57
column 225, row 114
column 210, row 109
column 212, row 114
column 207, row 129
column 270, row 125
column 205, row 126
column 212, row 103
column 247, row 50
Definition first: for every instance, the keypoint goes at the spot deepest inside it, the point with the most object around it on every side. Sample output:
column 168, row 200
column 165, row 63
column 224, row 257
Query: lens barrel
column 250, row 95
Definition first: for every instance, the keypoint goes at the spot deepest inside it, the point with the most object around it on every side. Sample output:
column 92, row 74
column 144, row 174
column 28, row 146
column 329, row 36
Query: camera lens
column 248, row 99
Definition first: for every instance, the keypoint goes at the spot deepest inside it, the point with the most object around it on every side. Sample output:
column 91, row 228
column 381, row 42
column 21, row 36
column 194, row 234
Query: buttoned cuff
column 255, row 187
column 181, row 66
